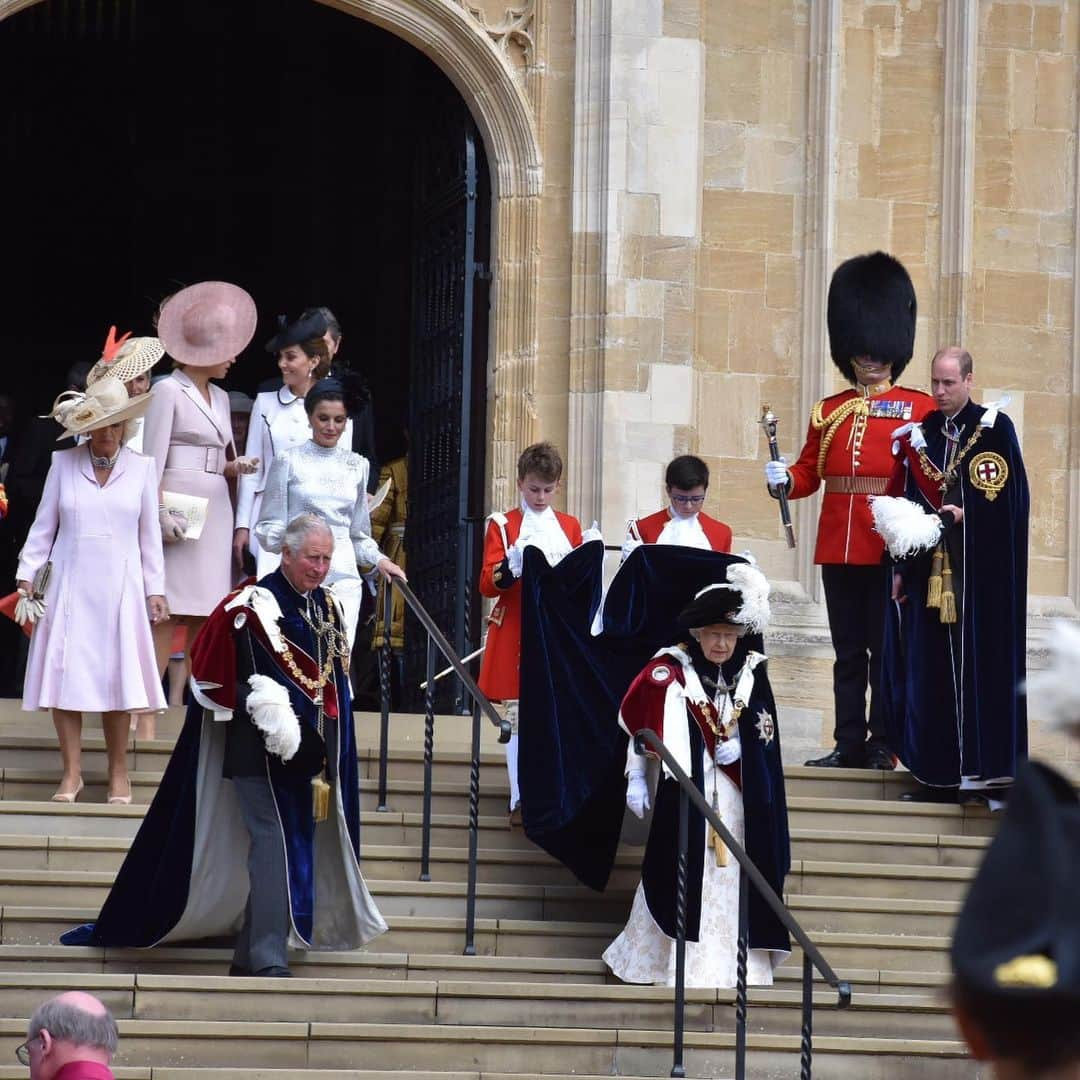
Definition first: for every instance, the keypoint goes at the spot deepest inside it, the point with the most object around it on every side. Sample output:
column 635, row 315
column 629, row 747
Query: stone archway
column 492, row 64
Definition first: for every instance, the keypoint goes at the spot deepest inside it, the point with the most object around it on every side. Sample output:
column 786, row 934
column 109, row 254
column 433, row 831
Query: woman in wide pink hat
column 188, row 432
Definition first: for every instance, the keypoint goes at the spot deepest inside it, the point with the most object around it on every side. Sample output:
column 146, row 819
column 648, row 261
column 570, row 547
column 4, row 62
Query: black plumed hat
column 871, row 312
column 1018, row 935
column 293, row 333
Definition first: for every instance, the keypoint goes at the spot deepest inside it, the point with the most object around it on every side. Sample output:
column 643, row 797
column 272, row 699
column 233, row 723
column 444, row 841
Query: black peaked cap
column 1018, row 935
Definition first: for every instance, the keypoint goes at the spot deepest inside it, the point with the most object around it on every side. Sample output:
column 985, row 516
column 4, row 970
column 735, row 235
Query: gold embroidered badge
column 988, row 472
column 1039, row 972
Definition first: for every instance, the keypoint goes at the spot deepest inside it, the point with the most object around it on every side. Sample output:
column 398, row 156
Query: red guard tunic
column 716, row 532
column 499, row 675
column 849, row 447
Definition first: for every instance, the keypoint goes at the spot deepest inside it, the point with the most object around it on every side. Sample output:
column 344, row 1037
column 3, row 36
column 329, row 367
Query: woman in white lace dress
column 709, row 700
column 324, row 476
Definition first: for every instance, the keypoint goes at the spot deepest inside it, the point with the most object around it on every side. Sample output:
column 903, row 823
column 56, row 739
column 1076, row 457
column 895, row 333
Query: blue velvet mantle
column 956, row 708
column 572, row 752
column 151, row 889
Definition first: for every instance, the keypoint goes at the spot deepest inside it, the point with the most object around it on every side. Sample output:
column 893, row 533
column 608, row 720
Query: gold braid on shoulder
column 858, row 406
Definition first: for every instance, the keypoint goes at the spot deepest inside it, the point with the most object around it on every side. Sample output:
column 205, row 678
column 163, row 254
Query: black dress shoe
column 930, row 795
column 274, row 972
column 835, row 759
column 239, row 969
column 880, row 757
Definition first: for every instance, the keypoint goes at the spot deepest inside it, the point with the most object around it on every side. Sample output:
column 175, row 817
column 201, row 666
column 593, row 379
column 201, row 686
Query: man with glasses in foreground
column 70, row 1037
column 682, row 521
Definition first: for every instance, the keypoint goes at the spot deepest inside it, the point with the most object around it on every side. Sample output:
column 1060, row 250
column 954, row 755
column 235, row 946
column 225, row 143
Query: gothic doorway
column 150, row 144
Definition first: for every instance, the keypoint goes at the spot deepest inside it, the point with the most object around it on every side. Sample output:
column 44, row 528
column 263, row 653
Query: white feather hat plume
column 1054, row 692
column 904, row 526
column 754, row 613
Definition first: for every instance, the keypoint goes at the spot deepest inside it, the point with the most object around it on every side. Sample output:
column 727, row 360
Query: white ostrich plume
column 905, row 527
column 270, row 708
column 1054, row 692
column 754, row 613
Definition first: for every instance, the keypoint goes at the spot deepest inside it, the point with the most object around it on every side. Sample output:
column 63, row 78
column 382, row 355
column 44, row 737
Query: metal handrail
column 481, row 706
column 751, row 875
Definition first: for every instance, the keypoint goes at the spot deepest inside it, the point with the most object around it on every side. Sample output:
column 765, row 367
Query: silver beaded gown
column 332, row 482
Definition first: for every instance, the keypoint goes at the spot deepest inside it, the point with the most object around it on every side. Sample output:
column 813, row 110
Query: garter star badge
column 661, row 673
column 988, row 472
column 766, row 726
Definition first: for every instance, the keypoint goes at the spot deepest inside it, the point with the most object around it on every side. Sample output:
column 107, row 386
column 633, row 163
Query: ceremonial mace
column 768, row 424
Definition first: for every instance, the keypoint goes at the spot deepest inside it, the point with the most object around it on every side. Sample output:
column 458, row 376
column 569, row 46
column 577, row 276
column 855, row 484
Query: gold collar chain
column 946, row 479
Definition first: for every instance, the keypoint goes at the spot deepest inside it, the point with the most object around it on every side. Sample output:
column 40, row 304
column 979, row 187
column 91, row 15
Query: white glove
column 776, row 473
column 28, row 609
column 727, row 753
column 592, row 533
column 173, row 525
column 513, row 557
column 915, row 433
column 630, row 544
column 637, row 794
column 246, row 465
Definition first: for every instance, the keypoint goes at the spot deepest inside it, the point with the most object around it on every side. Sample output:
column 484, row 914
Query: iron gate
column 446, row 381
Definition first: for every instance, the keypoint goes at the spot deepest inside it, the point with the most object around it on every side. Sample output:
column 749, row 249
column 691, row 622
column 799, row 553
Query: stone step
column 439, row 916
column 818, row 813
column 457, row 1002
column 363, row 965
column 621, row 1051
column 65, row 841
column 520, row 878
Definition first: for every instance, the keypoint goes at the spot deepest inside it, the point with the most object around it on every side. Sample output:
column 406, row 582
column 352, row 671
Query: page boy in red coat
column 682, row 521
column 534, row 522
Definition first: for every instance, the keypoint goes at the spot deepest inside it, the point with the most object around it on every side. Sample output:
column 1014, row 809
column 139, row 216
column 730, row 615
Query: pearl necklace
column 104, row 462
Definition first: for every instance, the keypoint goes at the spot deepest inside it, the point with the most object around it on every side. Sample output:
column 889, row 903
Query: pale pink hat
column 207, row 324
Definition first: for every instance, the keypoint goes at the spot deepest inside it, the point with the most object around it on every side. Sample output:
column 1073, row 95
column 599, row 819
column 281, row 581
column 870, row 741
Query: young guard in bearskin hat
column 871, row 314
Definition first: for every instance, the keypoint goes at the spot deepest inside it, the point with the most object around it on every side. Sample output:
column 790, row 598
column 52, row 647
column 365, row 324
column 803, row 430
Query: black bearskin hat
column 871, row 312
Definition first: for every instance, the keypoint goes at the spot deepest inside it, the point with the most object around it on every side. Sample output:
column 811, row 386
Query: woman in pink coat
column 91, row 649
column 188, row 433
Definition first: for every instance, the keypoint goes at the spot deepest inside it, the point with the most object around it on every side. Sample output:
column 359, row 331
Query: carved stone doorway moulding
column 477, row 59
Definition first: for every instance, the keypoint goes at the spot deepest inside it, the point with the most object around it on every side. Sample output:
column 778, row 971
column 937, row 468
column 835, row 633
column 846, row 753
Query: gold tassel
column 933, row 586
column 320, row 798
column 948, row 597
column 720, row 852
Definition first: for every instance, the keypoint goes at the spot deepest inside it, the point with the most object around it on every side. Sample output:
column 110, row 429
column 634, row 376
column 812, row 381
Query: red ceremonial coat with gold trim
column 501, row 662
column 850, row 436
column 716, row 532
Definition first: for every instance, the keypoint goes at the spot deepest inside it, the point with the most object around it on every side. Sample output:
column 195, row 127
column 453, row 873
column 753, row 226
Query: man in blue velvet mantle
column 254, row 833
column 954, row 665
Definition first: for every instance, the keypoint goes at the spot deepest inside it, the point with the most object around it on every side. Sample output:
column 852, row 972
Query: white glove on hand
column 513, row 557
column 246, row 465
column 727, row 753
column 776, row 473
column 592, row 533
column 915, row 433
column 631, row 543
column 173, row 526
column 637, row 794
column 28, row 609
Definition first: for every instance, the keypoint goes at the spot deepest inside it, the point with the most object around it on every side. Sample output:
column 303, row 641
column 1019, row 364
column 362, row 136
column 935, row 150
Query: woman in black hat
column 279, row 422
column 709, row 699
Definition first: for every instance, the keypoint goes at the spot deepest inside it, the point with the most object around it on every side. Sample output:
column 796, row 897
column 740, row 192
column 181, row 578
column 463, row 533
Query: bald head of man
column 73, row 1027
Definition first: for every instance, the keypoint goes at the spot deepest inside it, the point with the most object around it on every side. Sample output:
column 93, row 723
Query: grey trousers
column 261, row 942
